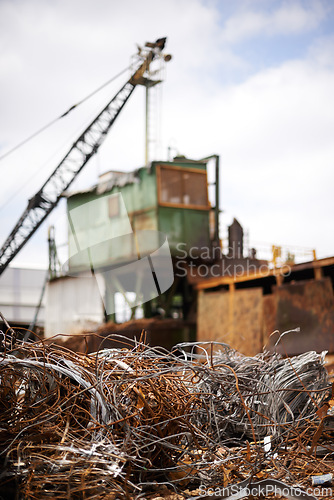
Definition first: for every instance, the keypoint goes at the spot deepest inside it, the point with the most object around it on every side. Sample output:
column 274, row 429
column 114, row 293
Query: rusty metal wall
column 269, row 316
column 234, row 317
column 245, row 319
column 310, row 306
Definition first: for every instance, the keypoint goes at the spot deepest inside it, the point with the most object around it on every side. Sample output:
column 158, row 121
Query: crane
column 87, row 144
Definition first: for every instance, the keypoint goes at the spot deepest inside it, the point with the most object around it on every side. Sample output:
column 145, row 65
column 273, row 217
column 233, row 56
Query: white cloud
column 289, row 18
column 322, row 52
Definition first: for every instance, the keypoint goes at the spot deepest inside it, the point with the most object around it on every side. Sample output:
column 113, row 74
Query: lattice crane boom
column 48, row 196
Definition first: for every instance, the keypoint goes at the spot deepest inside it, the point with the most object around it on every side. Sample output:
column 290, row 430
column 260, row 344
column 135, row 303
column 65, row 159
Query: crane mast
column 48, row 196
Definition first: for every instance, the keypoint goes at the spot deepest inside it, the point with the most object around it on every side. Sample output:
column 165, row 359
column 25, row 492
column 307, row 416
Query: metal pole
column 34, row 321
column 216, row 183
column 217, row 200
column 146, row 125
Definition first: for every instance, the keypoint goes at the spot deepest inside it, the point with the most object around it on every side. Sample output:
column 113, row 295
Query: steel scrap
column 128, row 421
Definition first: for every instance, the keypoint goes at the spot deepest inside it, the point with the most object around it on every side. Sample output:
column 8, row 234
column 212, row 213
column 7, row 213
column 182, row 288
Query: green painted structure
column 169, row 197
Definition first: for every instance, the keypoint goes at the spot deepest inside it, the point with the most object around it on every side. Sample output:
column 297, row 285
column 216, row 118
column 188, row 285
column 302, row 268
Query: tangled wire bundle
column 119, row 422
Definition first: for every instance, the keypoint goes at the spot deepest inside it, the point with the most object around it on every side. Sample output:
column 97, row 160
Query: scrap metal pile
column 126, row 422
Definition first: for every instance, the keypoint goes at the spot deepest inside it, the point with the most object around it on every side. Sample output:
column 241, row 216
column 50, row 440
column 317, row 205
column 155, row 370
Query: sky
column 250, row 80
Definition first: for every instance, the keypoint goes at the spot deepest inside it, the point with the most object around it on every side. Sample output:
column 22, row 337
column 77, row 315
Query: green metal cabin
column 170, row 197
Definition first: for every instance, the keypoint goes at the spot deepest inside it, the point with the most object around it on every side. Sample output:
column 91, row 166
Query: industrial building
column 164, row 204
column 214, row 293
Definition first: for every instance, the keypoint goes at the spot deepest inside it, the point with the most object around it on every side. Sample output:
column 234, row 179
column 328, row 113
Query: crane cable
column 35, row 134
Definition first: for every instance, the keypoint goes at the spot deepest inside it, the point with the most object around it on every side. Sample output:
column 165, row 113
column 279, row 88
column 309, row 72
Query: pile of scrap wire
column 122, row 423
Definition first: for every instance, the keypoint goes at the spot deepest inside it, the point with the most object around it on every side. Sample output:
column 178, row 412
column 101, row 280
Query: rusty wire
column 121, row 421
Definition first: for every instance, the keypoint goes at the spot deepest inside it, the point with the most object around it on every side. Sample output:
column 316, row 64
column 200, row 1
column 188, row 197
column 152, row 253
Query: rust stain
column 308, row 305
column 234, row 318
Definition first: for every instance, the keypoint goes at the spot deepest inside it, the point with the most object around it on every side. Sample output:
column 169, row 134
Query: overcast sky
column 250, row 80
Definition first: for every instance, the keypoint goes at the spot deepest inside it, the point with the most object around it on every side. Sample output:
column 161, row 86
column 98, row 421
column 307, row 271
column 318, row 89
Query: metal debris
column 322, row 479
column 121, row 423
